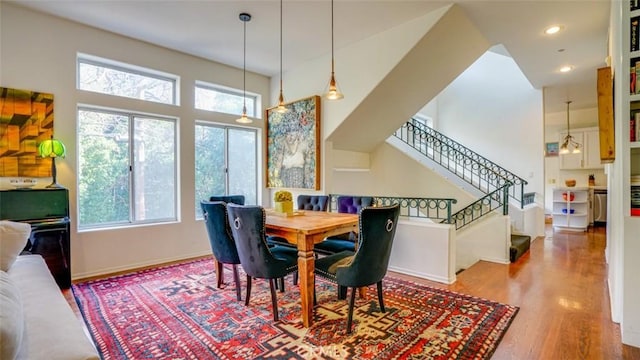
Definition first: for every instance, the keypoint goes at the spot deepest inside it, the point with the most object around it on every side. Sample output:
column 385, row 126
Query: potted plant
column 283, row 202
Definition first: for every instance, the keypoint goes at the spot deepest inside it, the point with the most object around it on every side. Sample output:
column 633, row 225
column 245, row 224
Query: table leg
column 306, row 265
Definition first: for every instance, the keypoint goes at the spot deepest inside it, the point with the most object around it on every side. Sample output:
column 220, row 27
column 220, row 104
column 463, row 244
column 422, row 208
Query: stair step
column 519, row 246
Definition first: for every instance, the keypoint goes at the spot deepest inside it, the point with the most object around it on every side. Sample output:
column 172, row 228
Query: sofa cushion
column 11, row 318
column 51, row 329
column 13, row 238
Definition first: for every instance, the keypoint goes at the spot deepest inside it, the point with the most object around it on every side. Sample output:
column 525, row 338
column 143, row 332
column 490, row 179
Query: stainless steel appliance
column 599, row 206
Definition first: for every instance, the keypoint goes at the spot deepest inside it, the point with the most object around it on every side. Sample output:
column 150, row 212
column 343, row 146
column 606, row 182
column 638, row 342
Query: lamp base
column 54, row 185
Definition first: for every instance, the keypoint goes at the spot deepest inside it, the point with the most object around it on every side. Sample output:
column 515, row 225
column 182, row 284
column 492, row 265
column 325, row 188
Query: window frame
column 226, row 128
column 82, row 58
column 257, row 98
column 131, row 116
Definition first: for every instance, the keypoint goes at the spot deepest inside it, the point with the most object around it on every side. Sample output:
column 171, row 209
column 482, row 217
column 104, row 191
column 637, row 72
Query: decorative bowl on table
column 570, row 182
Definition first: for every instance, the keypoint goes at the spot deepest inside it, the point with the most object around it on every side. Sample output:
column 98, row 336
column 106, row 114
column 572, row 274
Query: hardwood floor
column 561, row 288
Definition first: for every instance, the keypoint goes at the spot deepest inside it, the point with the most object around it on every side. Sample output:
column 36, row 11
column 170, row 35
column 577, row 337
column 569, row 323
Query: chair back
column 353, row 204
column 235, row 199
column 220, row 238
column 247, row 226
column 369, row 265
column 313, row 202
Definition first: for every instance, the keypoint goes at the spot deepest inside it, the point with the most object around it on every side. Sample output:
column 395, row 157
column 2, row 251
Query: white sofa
column 36, row 321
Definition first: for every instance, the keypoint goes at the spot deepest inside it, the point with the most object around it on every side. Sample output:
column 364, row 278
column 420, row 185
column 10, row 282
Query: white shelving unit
column 571, row 208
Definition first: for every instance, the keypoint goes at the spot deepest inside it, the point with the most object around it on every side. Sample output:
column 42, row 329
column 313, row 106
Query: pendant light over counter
column 281, row 106
column 333, row 93
column 569, row 141
column 244, row 17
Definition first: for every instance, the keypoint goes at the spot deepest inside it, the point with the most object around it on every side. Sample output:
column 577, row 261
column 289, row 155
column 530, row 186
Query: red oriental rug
column 176, row 312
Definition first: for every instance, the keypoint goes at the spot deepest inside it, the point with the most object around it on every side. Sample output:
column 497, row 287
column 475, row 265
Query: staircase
column 496, row 185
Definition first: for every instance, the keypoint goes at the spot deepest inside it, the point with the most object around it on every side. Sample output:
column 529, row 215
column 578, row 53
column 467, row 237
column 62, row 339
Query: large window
column 127, row 168
column 226, row 162
column 217, row 98
column 115, row 78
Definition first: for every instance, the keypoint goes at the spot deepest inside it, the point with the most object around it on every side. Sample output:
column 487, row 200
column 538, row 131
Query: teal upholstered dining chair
column 235, row 199
column 368, row 265
column 222, row 244
column 344, row 242
column 257, row 258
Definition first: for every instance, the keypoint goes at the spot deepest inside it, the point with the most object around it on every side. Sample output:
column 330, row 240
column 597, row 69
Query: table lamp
column 52, row 148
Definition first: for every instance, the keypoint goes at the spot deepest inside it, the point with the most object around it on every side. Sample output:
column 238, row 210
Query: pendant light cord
column 244, row 69
column 280, row 46
column 332, row 57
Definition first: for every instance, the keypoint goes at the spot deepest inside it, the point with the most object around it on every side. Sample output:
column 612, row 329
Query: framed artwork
column 26, row 119
column 551, row 149
column 293, row 145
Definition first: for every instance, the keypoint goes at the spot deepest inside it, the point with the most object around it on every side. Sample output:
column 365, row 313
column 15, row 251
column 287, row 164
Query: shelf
column 634, row 13
column 634, row 145
column 634, row 97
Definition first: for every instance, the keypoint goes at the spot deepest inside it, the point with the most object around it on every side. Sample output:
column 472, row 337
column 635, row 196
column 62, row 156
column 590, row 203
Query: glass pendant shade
column 282, row 108
column 333, row 93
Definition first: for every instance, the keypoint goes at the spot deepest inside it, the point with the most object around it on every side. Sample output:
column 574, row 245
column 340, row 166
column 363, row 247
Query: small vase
column 284, row 207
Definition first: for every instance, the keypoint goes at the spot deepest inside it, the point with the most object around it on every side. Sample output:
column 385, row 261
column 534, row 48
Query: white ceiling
column 211, row 29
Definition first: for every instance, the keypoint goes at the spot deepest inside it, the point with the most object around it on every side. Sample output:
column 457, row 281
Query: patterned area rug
column 176, row 312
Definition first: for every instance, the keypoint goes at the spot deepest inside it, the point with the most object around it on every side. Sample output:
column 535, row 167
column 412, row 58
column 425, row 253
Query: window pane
column 103, row 181
column 242, row 164
column 154, row 169
column 120, row 82
column 209, row 163
column 225, row 102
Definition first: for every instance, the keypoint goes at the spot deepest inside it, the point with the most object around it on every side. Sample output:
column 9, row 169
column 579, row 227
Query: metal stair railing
column 416, row 207
column 465, row 163
column 481, row 207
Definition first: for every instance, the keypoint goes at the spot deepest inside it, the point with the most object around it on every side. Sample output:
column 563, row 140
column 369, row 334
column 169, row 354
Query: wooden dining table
column 306, row 229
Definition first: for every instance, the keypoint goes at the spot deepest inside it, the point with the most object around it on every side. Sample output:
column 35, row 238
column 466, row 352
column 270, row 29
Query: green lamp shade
column 52, row 148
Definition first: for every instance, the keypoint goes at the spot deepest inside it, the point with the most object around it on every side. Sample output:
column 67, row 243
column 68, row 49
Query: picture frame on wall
column 552, row 149
column 293, row 145
column 26, row 120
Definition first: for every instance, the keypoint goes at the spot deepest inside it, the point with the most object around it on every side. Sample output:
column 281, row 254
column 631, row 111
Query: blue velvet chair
column 304, row 202
column 235, row 199
column 313, row 202
column 257, row 258
column 344, row 242
column 369, row 263
column 222, row 243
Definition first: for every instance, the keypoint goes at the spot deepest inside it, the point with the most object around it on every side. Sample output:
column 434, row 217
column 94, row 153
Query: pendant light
column 569, row 141
column 244, row 17
column 281, row 107
column 333, row 93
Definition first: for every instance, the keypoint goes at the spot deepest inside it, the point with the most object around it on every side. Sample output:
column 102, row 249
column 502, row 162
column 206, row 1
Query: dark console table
column 47, row 211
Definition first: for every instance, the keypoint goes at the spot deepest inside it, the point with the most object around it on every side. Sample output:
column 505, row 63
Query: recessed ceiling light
column 553, row 29
column 566, row 68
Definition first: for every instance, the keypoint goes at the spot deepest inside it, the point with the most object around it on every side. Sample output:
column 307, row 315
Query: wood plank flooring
column 561, row 288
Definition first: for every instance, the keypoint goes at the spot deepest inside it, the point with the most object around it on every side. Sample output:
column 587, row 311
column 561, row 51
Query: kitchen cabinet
column 589, row 156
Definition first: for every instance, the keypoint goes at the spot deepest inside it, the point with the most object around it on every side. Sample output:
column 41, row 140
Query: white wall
column 38, row 52
column 492, row 109
column 489, row 239
column 424, row 249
